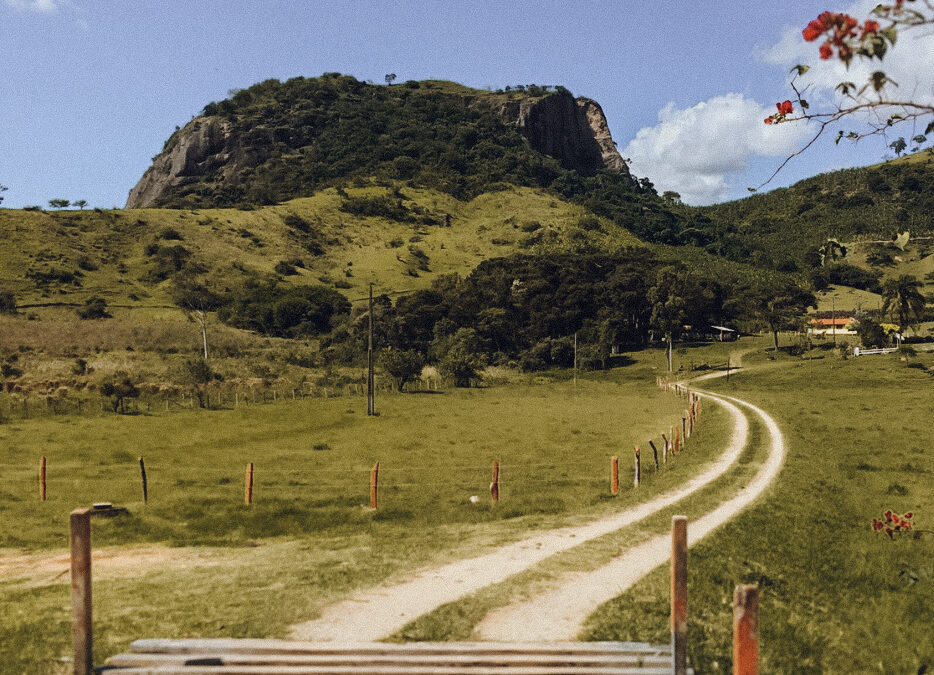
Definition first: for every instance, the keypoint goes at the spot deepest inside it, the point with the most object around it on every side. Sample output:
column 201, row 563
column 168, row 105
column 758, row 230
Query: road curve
column 560, row 614
column 376, row 613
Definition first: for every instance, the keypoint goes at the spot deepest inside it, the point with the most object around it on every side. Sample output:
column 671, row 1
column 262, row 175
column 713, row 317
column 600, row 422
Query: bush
column 94, row 308
column 118, row 390
column 285, row 269
column 284, row 311
column 871, row 333
column 404, row 365
column 7, row 302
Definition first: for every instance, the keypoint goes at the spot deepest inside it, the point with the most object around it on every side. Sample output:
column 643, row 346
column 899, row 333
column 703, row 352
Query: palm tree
column 902, row 300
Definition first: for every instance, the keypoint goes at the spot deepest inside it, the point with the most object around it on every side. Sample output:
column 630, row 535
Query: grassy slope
column 258, row 239
column 307, row 540
column 835, row 596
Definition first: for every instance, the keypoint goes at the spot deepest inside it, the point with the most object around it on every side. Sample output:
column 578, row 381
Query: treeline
column 525, row 310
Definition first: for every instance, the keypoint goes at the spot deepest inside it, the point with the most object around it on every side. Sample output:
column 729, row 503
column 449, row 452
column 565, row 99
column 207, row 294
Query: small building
column 833, row 325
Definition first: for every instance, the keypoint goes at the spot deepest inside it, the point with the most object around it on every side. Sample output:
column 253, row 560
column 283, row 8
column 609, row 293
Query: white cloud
column 41, row 6
column 696, row 150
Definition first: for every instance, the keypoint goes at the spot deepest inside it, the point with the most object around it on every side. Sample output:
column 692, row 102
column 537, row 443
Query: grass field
column 308, row 538
column 836, row 597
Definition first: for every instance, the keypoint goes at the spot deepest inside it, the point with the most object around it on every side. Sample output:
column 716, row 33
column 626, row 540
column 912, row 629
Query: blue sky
column 92, row 88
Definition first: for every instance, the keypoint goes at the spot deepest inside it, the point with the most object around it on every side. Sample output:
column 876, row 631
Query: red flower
column 813, row 30
column 826, row 51
column 785, row 108
column 888, row 516
column 909, row 515
column 870, row 27
column 768, row 120
column 876, row 524
column 888, row 531
column 850, row 21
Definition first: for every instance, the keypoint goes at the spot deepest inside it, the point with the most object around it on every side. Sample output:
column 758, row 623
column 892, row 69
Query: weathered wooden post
column 374, row 485
column 638, row 477
column 42, row 478
column 654, row 454
column 746, row 630
column 494, row 486
column 676, row 448
column 248, row 485
column 679, row 594
column 81, row 623
column 684, row 428
column 614, row 475
column 665, row 451
column 142, row 473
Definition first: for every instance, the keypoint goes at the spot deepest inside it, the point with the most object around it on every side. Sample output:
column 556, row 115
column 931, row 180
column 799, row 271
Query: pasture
column 197, row 561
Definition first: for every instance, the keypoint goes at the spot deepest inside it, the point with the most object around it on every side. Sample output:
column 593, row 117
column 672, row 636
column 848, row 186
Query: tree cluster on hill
column 528, row 308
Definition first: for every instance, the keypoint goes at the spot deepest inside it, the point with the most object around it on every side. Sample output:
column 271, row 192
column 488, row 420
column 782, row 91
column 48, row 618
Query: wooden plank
column 382, row 670
column 267, row 646
column 341, row 659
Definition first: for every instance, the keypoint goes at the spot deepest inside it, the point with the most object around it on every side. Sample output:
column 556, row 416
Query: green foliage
column 902, row 299
column 59, row 203
column 404, row 365
column 844, row 274
column 94, row 308
column 871, row 333
column 118, row 390
column 7, row 302
column 283, row 311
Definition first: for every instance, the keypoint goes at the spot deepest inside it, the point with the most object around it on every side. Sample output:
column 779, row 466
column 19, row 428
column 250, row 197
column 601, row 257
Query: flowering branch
column 845, row 37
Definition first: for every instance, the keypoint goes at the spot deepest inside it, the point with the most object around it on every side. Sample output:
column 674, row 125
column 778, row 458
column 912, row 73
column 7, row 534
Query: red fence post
column 746, row 630
column 614, row 475
column 374, row 486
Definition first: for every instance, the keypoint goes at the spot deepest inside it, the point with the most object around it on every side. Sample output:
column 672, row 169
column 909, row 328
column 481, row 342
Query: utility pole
column 370, row 393
column 833, row 317
column 575, row 361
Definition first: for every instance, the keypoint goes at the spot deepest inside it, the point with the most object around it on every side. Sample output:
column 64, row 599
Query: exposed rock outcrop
column 211, row 151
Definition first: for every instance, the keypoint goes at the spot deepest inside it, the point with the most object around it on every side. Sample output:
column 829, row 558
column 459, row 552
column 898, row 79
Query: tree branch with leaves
column 844, row 37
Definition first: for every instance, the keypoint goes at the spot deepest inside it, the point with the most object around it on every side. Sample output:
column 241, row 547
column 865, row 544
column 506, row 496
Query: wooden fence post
column 665, row 451
column 494, row 486
column 248, row 485
column 684, row 426
column 374, row 485
column 638, row 476
column 42, row 478
column 142, row 473
column 614, row 475
column 82, row 633
column 746, row 630
column 654, row 454
column 679, row 594
column 676, row 448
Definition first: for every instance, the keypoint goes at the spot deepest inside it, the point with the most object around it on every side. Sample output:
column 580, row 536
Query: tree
column 59, row 203
column 390, row 77
column 903, row 301
column 668, row 306
column 776, row 305
column 871, row 333
column 7, row 302
column 405, row 365
column 81, row 203
column 196, row 300
column 94, row 308
column 845, row 37
column 119, row 389
column 197, row 372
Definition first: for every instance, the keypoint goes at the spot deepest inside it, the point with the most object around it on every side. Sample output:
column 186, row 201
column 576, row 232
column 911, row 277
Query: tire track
column 560, row 614
column 376, row 613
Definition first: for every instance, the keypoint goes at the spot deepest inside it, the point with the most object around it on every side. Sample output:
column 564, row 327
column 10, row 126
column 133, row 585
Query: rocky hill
column 277, row 141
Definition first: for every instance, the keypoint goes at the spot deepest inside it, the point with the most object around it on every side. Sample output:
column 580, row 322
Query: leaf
column 929, row 129
column 920, row 138
column 879, row 80
column 804, row 104
column 836, row 141
column 845, row 87
column 890, row 34
column 801, row 69
column 751, row 189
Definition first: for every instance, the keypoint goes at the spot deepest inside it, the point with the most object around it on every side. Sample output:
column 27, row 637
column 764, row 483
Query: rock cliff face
column 211, row 150
column 573, row 131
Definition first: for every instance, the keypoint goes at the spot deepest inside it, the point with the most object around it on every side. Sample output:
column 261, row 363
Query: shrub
column 404, row 365
column 94, row 308
column 7, row 302
column 285, row 269
column 118, row 390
